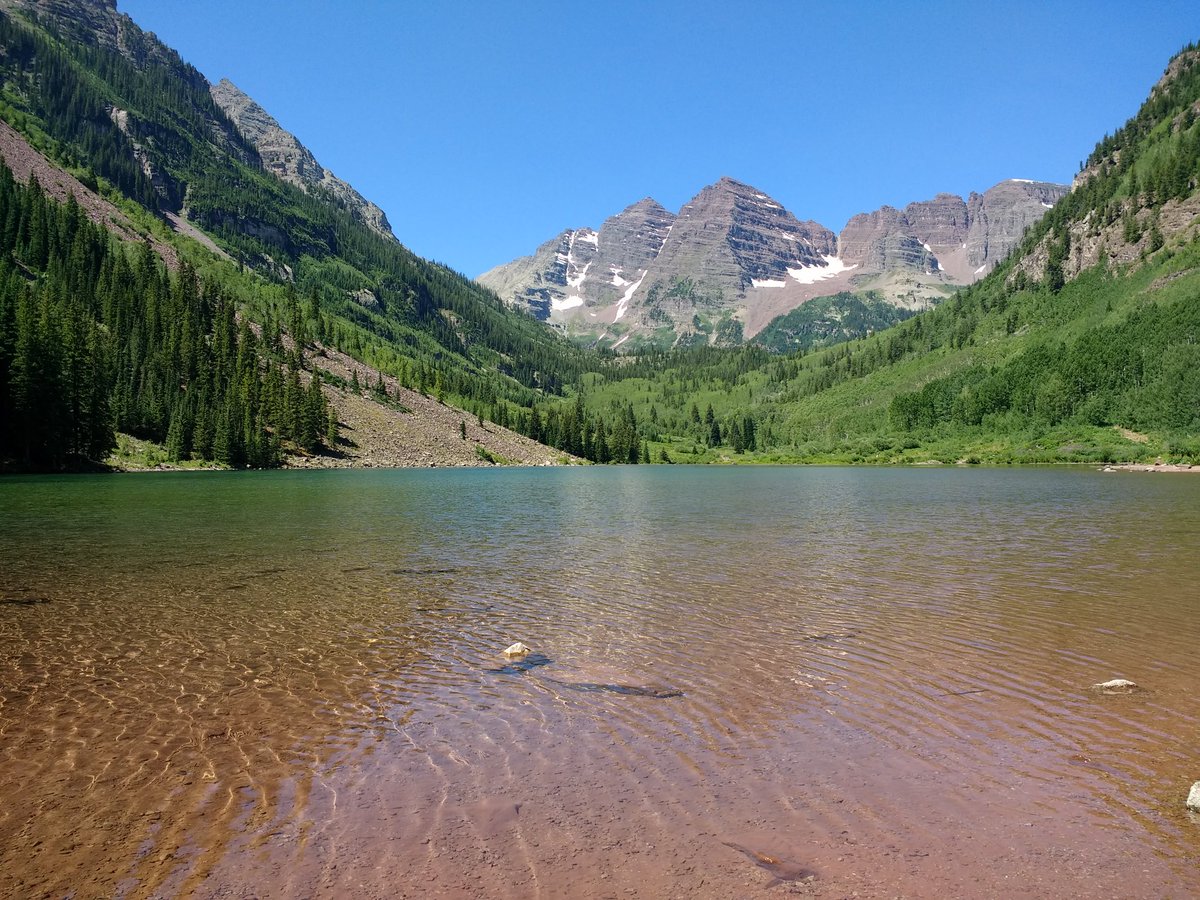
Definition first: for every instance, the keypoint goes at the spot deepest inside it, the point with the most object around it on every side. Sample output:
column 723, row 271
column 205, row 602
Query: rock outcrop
column 1116, row 686
column 540, row 283
column 98, row 23
column 283, row 154
column 883, row 240
column 582, row 269
column 632, row 239
column 942, row 222
column 997, row 219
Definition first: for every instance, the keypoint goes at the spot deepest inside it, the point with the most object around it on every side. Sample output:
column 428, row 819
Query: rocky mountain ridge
column 283, row 154
column 234, row 121
column 733, row 259
column 98, row 23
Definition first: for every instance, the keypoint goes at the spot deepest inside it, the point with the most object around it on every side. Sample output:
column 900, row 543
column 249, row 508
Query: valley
column 1031, row 322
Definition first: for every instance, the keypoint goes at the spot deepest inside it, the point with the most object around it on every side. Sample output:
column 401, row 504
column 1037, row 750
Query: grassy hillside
column 1082, row 346
column 824, row 321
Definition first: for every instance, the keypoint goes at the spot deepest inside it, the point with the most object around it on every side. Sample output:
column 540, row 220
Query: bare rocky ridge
column 583, row 270
column 630, row 240
column 284, row 155
column 536, row 283
column 731, row 235
column 882, row 240
column 98, row 23
column 997, row 219
column 734, row 259
column 941, row 222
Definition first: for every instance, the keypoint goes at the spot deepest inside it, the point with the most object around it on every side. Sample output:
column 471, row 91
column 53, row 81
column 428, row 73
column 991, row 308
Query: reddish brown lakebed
column 793, row 681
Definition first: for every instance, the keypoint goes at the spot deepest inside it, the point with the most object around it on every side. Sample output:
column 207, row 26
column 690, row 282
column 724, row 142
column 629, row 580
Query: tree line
column 96, row 337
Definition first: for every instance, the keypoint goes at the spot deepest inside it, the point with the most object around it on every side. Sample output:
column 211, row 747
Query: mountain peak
column 645, row 203
column 250, row 118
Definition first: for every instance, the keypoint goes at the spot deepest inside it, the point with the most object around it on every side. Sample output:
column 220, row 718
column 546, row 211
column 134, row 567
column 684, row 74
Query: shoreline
column 1151, row 467
column 322, row 461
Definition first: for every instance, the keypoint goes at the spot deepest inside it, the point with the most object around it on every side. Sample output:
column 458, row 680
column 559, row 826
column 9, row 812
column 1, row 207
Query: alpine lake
column 811, row 681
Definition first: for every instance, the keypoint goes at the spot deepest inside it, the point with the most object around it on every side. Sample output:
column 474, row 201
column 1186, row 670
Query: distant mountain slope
column 734, row 259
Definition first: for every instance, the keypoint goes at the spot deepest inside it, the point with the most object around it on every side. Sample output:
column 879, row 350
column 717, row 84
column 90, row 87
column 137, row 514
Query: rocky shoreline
column 1151, row 467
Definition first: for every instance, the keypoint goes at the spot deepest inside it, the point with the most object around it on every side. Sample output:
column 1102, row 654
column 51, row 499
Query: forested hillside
column 135, row 123
column 97, row 336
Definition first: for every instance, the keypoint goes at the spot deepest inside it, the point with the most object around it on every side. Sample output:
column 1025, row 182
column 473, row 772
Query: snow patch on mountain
column 623, row 304
column 578, row 280
column 813, row 274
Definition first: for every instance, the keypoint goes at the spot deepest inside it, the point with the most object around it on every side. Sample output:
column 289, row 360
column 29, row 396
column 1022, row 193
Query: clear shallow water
column 289, row 684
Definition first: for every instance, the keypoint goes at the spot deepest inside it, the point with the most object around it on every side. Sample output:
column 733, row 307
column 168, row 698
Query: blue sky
column 484, row 129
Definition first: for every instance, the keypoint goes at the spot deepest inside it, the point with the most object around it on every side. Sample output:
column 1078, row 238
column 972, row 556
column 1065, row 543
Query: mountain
column 1081, row 345
column 733, row 259
column 103, row 121
column 161, row 278
column 283, row 154
column 963, row 239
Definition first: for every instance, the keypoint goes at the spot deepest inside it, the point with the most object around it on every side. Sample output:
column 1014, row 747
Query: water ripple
column 842, row 671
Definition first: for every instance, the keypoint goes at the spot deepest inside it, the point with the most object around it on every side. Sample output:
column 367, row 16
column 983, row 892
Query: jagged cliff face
column 98, row 23
column 583, row 270
column 630, row 240
column 998, row 218
column 734, row 259
column 731, row 236
column 963, row 240
column 541, row 283
column 283, row 154
column 882, row 240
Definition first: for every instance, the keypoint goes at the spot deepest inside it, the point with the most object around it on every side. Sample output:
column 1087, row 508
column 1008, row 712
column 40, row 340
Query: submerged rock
column 1193, row 800
column 1117, row 686
column 517, row 649
column 781, row 870
column 23, row 601
column 626, row 690
column 519, row 665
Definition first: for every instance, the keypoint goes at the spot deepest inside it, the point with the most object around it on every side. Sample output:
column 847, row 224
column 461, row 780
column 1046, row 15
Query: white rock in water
column 1193, row 801
column 1117, row 684
column 517, row 649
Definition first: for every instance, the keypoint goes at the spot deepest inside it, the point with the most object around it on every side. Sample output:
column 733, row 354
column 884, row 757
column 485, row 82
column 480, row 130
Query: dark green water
column 290, row 684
